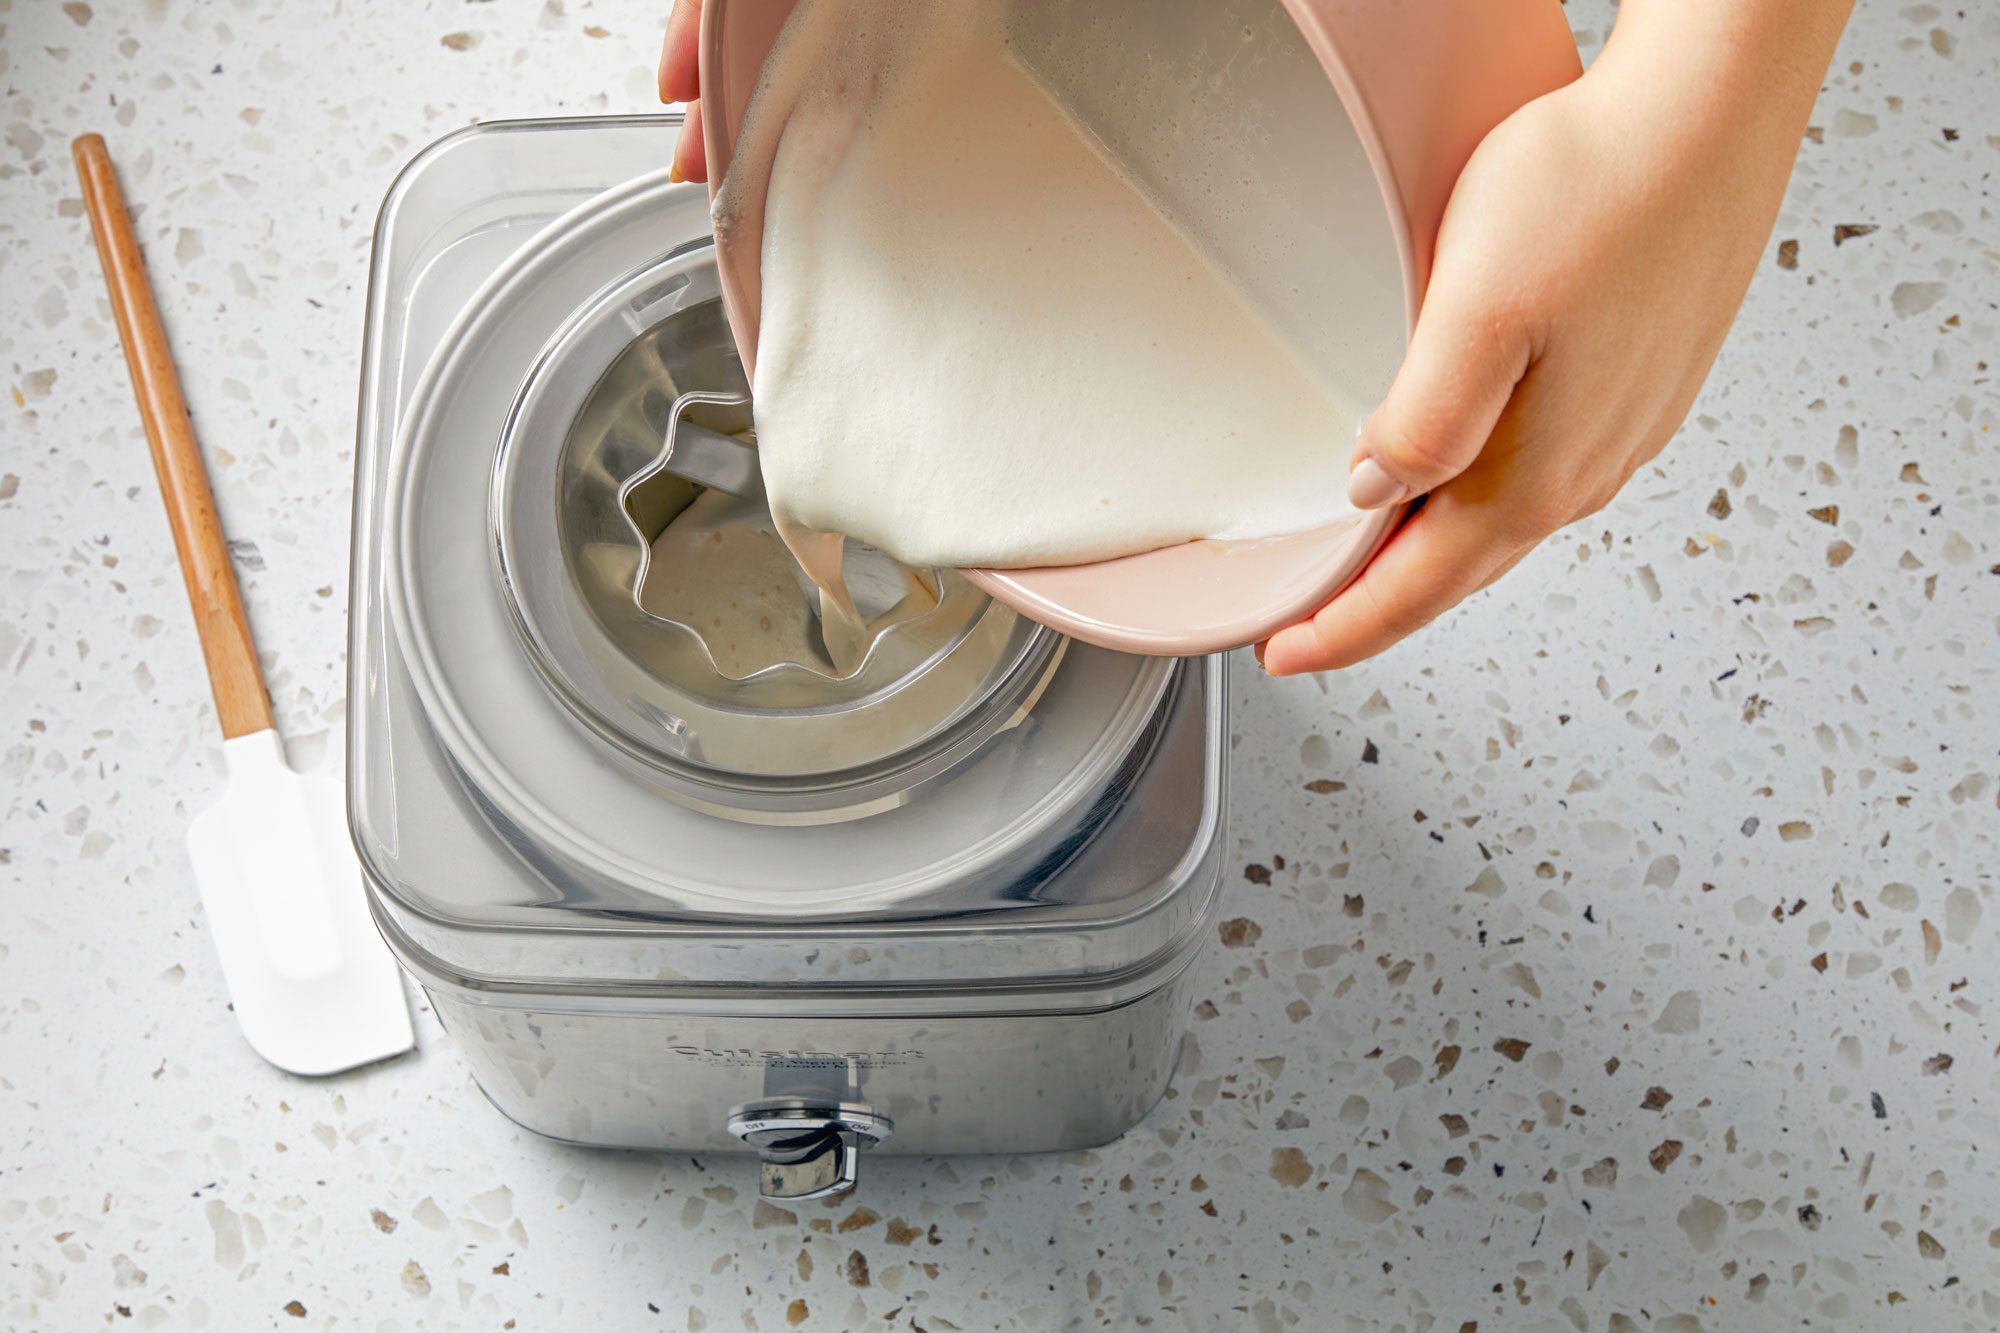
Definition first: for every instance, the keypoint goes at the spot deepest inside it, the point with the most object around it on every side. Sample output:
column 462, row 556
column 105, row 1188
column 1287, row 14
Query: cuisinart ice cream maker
column 943, row 903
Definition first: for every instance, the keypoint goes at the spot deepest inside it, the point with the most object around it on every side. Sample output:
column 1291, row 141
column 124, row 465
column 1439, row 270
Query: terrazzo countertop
column 1615, row 956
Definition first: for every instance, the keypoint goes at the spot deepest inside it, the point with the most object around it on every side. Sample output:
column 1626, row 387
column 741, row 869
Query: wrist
column 1707, row 100
column 1752, row 66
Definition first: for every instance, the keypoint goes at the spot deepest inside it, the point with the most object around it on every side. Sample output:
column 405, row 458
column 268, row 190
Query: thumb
column 1460, row 369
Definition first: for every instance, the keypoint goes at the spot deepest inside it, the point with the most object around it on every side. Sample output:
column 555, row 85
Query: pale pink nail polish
column 1369, row 487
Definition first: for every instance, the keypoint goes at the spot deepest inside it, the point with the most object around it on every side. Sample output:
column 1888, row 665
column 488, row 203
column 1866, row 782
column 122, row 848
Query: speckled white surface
column 1613, row 957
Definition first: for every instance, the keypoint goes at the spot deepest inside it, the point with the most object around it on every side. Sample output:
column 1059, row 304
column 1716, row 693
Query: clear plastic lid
column 1063, row 830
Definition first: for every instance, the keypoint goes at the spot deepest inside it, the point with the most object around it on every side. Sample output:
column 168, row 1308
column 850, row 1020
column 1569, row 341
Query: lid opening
column 669, row 616
column 711, row 561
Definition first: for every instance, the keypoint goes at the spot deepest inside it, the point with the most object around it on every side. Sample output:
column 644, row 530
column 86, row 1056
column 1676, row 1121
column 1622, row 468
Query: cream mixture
column 980, row 343
column 720, row 568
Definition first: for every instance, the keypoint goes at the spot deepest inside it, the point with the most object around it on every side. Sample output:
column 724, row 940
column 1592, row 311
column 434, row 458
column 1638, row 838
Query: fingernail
column 674, row 171
column 1369, row 487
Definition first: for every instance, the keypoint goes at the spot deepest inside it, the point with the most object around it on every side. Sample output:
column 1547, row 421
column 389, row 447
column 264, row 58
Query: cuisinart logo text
column 743, row 1055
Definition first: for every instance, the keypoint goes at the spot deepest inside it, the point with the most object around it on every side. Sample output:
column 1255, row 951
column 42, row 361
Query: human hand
column 1589, row 264
column 1588, row 267
column 680, row 81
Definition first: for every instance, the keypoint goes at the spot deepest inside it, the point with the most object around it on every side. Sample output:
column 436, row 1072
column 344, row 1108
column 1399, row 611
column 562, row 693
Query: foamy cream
column 720, row 568
column 980, row 344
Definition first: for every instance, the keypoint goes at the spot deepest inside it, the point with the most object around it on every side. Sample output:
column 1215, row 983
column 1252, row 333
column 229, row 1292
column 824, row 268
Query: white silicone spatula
column 314, row 988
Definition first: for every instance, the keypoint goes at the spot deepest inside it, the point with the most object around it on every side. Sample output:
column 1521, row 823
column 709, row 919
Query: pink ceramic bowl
column 1421, row 82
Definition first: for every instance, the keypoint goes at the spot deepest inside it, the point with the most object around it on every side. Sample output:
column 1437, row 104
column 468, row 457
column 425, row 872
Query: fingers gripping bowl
column 1338, row 146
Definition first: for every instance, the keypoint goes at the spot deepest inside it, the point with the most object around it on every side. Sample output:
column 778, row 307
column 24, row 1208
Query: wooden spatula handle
column 240, row 698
